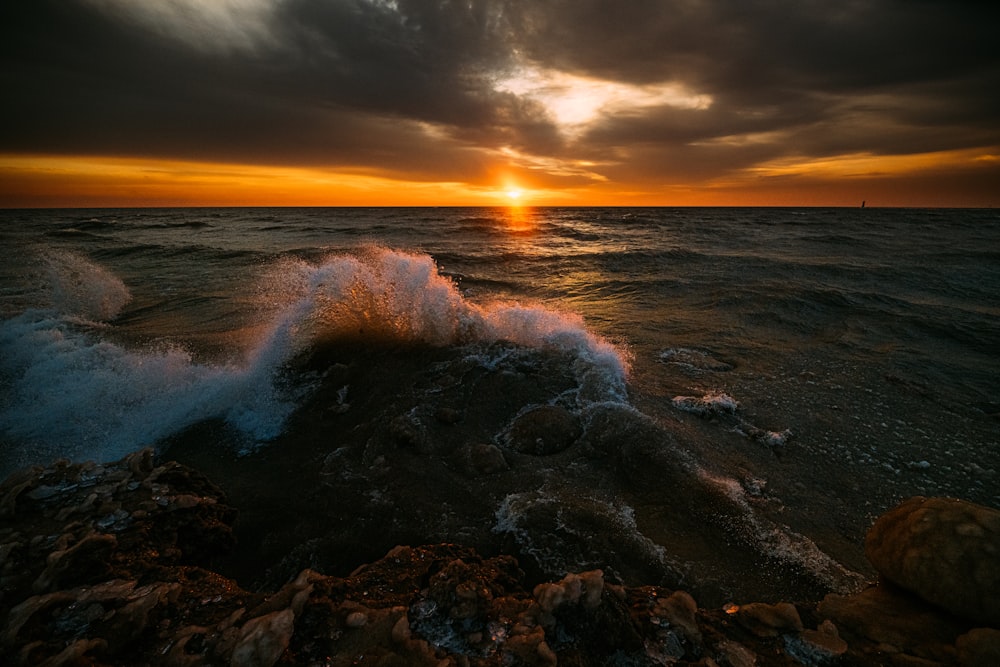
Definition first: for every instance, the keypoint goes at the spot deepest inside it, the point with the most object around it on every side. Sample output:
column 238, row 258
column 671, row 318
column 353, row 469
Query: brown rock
column 817, row 646
column 84, row 561
column 733, row 654
column 880, row 615
column 946, row 551
column 769, row 620
column 263, row 639
column 979, row 648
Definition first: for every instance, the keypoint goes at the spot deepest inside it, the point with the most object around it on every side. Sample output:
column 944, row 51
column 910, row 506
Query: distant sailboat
column 862, row 203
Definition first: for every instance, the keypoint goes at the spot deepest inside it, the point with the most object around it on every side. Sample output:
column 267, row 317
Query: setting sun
column 513, row 194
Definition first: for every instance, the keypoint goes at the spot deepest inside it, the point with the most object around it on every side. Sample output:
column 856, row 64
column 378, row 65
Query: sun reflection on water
column 519, row 219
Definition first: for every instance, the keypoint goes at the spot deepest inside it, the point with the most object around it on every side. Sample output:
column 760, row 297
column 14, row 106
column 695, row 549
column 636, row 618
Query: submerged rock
column 946, row 551
column 544, row 430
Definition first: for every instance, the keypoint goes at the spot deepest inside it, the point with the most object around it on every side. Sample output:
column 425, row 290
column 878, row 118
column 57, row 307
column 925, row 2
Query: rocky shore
column 124, row 564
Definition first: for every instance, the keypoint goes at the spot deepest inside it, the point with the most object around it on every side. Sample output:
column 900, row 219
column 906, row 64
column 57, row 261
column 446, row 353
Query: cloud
column 645, row 90
column 206, row 25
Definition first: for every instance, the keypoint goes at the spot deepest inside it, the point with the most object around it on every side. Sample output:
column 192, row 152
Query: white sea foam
column 559, row 533
column 780, row 542
column 714, row 402
column 69, row 393
column 73, row 395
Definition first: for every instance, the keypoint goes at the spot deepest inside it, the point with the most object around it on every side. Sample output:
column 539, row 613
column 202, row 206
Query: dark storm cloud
column 413, row 85
column 319, row 87
column 881, row 77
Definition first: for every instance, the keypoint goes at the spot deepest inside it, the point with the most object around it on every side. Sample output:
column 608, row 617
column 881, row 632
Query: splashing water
column 69, row 393
column 387, row 295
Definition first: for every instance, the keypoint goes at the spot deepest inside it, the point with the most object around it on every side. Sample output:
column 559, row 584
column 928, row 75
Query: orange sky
column 30, row 181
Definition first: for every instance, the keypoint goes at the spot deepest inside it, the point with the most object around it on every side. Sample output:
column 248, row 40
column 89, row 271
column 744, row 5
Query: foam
column 74, row 395
column 781, row 543
column 557, row 531
column 712, row 403
column 69, row 393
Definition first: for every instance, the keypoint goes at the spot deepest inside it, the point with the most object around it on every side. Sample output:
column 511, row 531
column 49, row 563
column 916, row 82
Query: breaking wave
column 67, row 390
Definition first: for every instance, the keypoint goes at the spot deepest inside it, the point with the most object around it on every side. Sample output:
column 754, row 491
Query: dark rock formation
column 123, row 564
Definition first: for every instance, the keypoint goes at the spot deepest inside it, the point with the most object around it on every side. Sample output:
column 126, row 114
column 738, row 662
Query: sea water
column 804, row 368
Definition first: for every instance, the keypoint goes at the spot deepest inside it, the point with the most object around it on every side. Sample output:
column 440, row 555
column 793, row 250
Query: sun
column 514, row 194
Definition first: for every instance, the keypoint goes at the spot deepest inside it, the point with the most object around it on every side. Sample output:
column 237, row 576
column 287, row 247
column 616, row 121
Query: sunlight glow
column 514, row 194
column 575, row 101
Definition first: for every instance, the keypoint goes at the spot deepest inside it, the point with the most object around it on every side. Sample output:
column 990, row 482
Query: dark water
column 741, row 390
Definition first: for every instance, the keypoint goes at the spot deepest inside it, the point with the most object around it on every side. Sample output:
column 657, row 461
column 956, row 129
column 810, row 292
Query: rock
column 816, row 647
column 481, row 459
column 734, row 654
column 946, row 551
column 544, row 430
column 881, row 616
column 769, row 620
column 110, row 565
column 75, row 652
column 447, row 415
column 979, row 647
column 681, row 612
column 263, row 640
column 84, row 561
column 356, row 619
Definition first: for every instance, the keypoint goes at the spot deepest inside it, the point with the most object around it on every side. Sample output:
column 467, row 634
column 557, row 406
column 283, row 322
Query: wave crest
column 81, row 288
column 387, row 295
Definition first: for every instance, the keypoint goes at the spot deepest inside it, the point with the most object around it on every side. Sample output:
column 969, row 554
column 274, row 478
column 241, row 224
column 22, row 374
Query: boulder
column 945, row 551
column 980, row 646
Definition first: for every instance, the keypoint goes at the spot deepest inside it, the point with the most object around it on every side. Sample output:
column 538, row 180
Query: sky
column 473, row 102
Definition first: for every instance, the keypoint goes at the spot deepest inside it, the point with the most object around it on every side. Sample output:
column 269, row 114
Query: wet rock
column 680, row 611
column 980, row 646
column 111, row 565
column 816, row 647
column 894, row 620
column 544, row 430
column 944, row 550
column 481, row 459
column 734, row 654
column 85, row 561
column 447, row 415
column 263, row 639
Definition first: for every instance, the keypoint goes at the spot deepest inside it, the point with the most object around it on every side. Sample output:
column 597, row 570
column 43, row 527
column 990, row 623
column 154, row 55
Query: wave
column 83, row 289
column 68, row 390
column 385, row 295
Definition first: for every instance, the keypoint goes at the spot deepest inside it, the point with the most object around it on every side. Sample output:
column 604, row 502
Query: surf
column 71, row 389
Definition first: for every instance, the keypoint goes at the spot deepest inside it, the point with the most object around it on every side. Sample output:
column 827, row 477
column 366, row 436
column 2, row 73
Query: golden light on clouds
column 575, row 101
column 867, row 165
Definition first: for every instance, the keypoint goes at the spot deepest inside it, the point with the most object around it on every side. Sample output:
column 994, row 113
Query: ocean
column 714, row 399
